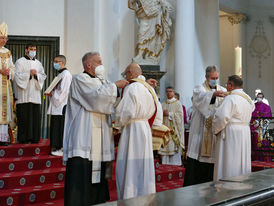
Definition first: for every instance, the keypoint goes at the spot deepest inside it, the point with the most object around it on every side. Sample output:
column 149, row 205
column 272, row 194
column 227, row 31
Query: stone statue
column 154, row 29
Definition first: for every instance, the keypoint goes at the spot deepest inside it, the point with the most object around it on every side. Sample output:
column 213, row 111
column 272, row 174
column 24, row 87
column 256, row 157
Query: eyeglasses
column 4, row 38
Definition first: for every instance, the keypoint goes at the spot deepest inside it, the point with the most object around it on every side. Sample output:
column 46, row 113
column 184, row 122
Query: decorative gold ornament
column 259, row 46
column 236, row 18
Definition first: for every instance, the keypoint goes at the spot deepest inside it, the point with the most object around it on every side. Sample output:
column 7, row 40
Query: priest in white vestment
column 88, row 141
column 6, row 95
column 29, row 81
column 200, row 155
column 57, row 105
column 173, row 118
column 135, row 174
column 231, row 125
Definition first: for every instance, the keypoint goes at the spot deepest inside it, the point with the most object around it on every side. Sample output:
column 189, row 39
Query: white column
column 207, row 45
column 184, row 50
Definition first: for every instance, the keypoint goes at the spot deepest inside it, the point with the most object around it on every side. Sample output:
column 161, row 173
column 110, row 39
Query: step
column 59, row 202
column 169, row 172
column 260, row 165
column 162, row 174
column 30, row 163
column 169, row 185
column 32, row 194
column 19, row 150
column 31, row 178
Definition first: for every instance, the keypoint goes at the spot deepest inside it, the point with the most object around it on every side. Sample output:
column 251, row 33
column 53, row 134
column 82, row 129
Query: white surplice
column 4, row 136
column 28, row 89
column 201, row 109
column 172, row 152
column 59, row 96
column 88, row 129
column 135, row 173
column 231, row 123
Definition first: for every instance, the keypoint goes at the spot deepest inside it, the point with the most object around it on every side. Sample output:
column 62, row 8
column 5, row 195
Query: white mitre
column 4, row 29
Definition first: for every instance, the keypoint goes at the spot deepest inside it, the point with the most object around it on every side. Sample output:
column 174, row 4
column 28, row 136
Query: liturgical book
column 52, row 86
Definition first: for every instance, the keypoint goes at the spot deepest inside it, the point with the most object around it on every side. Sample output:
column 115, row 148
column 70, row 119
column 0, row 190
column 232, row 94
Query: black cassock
column 79, row 191
column 29, row 122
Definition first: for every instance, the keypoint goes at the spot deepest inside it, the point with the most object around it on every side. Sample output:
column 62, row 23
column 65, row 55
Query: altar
column 251, row 189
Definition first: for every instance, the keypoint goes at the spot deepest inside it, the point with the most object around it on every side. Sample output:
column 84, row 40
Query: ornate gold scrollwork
column 236, row 18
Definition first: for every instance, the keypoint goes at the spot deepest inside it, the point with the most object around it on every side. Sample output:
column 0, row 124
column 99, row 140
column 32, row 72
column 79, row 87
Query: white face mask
column 100, row 71
column 32, row 54
column 259, row 99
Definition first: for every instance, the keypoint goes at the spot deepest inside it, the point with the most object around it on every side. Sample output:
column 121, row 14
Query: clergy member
column 257, row 91
column 173, row 118
column 6, row 95
column 261, row 109
column 200, row 155
column 57, row 105
column 231, row 125
column 88, row 140
column 29, row 80
column 177, row 96
column 135, row 113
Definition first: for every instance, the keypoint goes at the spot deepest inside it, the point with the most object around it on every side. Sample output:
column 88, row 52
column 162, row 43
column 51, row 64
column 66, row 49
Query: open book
column 52, row 86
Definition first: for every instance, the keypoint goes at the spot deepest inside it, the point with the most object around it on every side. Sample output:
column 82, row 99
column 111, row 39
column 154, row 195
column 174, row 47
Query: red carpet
column 30, row 176
column 259, row 165
column 167, row 177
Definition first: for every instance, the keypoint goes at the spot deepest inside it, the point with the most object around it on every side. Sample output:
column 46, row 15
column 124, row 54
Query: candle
column 238, row 61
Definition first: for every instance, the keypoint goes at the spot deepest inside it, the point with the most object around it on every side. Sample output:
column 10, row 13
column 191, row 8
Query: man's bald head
column 133, row 71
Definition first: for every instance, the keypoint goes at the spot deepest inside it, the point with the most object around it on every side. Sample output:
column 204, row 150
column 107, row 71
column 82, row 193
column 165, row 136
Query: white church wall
column 197, row 35
column 243, row 34
column 265, row 82
column 83, row 26
column 207, row 34
column 231, row 36
column 32, row 17
column 104, row 26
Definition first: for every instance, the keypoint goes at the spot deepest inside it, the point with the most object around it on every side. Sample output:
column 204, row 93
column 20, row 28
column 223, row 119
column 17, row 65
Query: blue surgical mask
column 32, row 54
column 212, row 82
column 259, row 99
column 56, row 66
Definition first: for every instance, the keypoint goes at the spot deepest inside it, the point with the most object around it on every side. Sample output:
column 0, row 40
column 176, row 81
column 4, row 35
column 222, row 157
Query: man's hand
column 152, row 82
column 121, row 83
column 5, row 71
column 219, row 94
column 50, row 94
column 33, row 72
column 165, row 112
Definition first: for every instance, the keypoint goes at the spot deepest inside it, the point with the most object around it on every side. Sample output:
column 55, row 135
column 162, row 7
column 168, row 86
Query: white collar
column 141, row 77
column 171, row 100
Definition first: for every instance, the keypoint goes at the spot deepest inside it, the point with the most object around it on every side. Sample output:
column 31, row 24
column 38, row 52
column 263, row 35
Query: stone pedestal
column 153, row 71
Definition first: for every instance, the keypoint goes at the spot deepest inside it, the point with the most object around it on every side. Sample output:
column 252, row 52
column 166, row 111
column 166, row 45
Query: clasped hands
column 5, row 71
column 33, row 72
